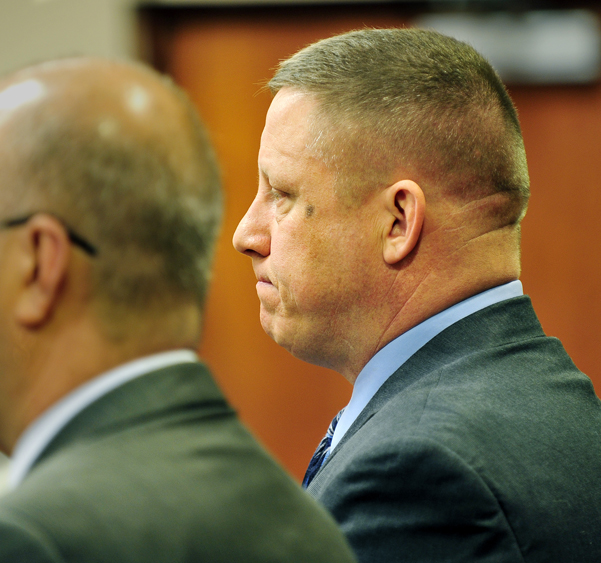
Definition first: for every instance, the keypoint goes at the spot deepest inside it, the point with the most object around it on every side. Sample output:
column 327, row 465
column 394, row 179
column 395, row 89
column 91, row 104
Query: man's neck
column 438, row 280
column 38, row 435
column 65, row 359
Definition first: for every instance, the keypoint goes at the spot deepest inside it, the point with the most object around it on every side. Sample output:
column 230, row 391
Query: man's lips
column 264, row 289
column 263, row 279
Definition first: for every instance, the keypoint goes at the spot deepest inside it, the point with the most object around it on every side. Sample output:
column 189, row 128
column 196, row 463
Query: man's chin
column 275, row 328
column 290, row 339
column 268, row 324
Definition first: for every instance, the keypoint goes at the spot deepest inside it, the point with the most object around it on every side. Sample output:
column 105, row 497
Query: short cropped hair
column 153, row 216
column 415, row 100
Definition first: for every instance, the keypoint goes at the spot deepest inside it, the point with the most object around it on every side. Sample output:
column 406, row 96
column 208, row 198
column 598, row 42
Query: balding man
column 123, row 448
column 385, row 237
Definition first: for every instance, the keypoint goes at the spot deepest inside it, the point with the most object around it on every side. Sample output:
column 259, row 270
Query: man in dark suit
column 385, row 237
column 123, row 448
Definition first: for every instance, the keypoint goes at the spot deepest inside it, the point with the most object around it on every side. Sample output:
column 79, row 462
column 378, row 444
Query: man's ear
column 46, row 252
column 406, row 207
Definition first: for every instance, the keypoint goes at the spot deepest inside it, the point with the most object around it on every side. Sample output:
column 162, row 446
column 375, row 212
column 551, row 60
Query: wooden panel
column 221, row 57
column 562, row 230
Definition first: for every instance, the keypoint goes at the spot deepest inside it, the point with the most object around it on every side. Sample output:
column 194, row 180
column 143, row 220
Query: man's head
column 392, row 180
column 412, row 100
column 118, row 153
column 113, row 154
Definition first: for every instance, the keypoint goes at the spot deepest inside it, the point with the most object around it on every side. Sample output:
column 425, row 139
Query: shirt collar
column 44, row 428
column 397, row 352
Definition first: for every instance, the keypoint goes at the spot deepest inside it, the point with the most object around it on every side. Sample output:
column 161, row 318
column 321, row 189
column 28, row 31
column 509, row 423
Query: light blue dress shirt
column 44, row 428
column 390, row 358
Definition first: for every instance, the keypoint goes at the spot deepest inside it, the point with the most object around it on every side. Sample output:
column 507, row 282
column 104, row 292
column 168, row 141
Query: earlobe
column 44, row 270
column 405, row 206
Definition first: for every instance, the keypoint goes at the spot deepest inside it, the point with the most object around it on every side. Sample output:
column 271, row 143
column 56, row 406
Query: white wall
column 35, row 30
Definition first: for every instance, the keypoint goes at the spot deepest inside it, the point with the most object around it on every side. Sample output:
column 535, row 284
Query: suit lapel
column 508, row 321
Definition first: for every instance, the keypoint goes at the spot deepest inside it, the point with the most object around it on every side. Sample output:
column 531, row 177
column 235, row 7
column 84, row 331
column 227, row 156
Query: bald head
column 118, row 153
column 112, row 98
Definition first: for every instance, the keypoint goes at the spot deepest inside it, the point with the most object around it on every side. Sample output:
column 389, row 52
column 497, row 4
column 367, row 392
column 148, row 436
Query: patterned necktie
column 321, row 453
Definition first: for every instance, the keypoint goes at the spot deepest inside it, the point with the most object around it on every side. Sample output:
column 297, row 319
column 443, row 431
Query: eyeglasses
column 88, row 248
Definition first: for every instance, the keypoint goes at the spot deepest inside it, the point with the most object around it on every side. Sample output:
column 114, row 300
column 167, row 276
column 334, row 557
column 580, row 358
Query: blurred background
column 222, row 52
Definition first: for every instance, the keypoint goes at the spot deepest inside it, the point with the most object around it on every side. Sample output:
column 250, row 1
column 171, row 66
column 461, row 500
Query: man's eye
column 278, row 195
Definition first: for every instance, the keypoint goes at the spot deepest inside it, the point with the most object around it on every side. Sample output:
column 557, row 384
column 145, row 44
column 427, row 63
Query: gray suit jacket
column 160, row 470
column 484, row 447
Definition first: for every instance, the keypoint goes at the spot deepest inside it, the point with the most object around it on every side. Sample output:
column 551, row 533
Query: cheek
column 316, row 274
column 296, row 260
column 290, row 251
column 318, row 264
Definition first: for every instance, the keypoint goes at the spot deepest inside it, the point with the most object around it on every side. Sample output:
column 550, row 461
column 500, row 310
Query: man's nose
column 252, row 234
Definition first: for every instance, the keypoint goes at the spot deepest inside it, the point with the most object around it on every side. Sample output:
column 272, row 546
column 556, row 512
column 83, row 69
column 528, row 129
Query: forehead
column 287, row 133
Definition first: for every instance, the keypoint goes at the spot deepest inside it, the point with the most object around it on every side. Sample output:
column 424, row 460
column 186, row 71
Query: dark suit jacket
column 484, row 447
column 161, row 471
